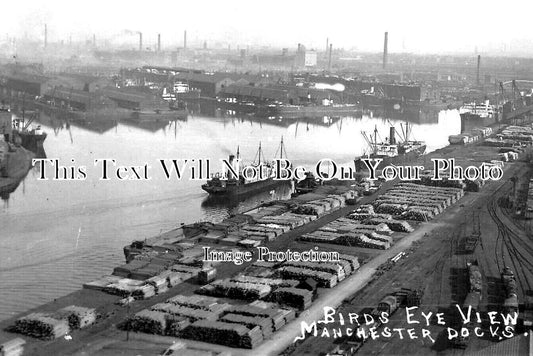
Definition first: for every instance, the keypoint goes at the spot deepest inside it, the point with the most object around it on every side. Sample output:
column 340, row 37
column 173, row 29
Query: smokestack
column 158, row 42
column 94, row 40
column 330, row 51
column 140, row 41
column 205, row 44
column 327, row 45
column 385, row 50
column 478, row 65
column 392, row 136
column 185, row 39
column 45, row 35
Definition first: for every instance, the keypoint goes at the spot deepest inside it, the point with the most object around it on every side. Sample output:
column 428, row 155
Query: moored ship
column 477, row 111
column 390, row 151
column 231, row 186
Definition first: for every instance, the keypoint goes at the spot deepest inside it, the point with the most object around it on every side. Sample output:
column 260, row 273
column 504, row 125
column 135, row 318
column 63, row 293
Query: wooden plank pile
column 148, row 321
column 176, row 324
column 329, row 267
column 288, row 314
column 159, row 282
column 353, row 260
column 101, row 283
column 250, row 322
column 410, row 201
column 261, row 212
column 394, row 225
column 272, row 282
column 125, row 270
column 293, row 297
column 41, row 326
column 78, row 317
column 197, row 302
column 324, row 279
column 361, row 240
column 228, row 334
column 288, row 219
column 13, row 347
column 276, row 317
column 192, row 314
column 236, row 290
column 144, row 292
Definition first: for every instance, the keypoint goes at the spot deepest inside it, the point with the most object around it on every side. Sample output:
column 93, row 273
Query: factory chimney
column 94, row 40
column 327, row 45
column 185, row 39
column 478, row 65
column 140, row 41
column 158, row 42
column 330, row 51
column 205, row 44
column 45, row 35
column 385, row 50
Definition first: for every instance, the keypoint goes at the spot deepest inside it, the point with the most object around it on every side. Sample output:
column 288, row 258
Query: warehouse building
column 134, row 100
column 20, row 83
column 276, row 94
column 77, row 99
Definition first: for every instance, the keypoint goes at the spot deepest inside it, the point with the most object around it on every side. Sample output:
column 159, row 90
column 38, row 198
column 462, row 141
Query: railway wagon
column 389, row 304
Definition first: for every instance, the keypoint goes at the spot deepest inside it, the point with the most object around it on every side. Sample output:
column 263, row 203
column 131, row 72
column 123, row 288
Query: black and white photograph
column 292, row 178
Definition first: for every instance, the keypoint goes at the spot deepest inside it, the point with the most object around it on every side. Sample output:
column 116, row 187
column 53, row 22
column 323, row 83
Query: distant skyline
column 414, row 25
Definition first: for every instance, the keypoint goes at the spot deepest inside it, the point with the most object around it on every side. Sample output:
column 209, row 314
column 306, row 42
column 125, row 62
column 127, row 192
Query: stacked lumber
column 148, row 271
column 276, row 317
column 185, row 269
column 125, row 270
column 390, row 208
column 353, row 260
column 147, row 321
column 13, row 347
column 324, row 279
column 239, row 290
column 41, row 326
column 250, row 322
column 288, row 314
column 287, row 219
column 144, row 292
column 175, row 278
column 362, row 241
column 366, row 216
column 159, row 283
column 349, row 225
column 228, row 334
column 293, row 297
column 272, row 282
column 320, row 237
column 176, row 324
column 199, row 302
column 189, row 313
column 101, row 283
column 394, row 225
column 78, row 317
column 329, row 267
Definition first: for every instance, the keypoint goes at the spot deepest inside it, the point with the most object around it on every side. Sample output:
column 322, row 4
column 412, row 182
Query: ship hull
column 244, row 189
column 396, row 160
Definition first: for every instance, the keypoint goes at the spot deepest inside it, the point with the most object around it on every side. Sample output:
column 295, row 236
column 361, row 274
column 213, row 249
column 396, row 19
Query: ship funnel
column 392, row 137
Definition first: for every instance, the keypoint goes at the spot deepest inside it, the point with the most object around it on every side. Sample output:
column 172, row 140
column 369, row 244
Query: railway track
column 506, row 246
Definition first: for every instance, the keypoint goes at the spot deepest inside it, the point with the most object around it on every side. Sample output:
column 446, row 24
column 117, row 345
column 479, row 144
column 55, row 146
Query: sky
column 413, row 25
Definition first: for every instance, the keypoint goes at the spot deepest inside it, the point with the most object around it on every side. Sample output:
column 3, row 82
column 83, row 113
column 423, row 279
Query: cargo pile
column 192, row 314
column 78, row 317
column 228, row 334
column 324, row 279
column 271, row 282
column 411, row 201
column 259, row 310
column 13, row 347
column 41, row 326
column 148, row 321
column 293, row 297
column 236, row 290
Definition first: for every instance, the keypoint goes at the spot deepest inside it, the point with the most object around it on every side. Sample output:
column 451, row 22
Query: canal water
column 57, row 235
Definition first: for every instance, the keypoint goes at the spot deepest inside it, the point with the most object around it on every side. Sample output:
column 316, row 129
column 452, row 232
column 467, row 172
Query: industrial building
column 277, row 93
column 19, row 84
column 134, row 100
column 77, row 99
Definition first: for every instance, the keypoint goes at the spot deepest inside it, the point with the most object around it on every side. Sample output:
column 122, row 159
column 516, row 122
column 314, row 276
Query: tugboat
column 231, row 186
column 389, row 150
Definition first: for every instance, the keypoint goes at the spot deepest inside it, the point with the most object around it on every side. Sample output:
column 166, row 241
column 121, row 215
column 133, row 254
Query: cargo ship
column 477, row 111
column 390, row 151
column 231, row 186
column 32, row 138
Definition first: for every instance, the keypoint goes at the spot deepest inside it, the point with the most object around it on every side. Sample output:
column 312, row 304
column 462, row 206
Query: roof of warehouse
column 209, row 78
column 30, row 78
column 79, row 96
